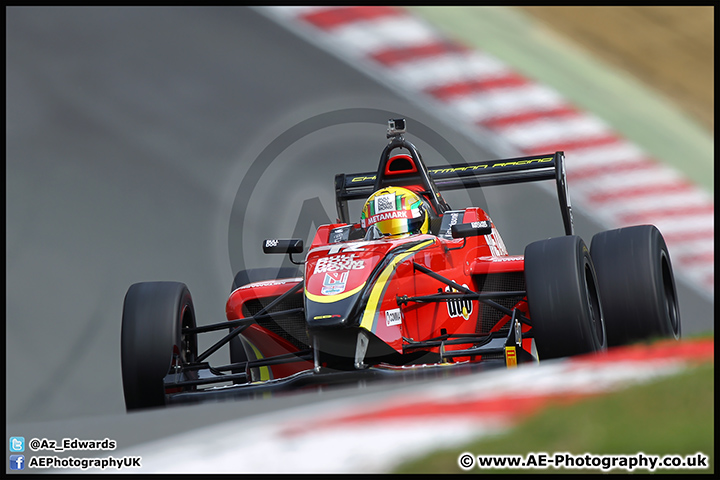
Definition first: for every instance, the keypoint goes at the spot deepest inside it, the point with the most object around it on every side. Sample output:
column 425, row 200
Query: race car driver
column 396, row 212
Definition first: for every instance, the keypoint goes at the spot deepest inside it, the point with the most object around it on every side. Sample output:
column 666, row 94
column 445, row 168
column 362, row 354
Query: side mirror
column 275, row 245
column 473, row 229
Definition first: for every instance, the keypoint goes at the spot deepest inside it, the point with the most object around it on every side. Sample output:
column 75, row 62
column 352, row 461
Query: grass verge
column 672, row 416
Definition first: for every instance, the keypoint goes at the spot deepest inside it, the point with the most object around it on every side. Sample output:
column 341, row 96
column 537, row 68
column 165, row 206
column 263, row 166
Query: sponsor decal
column 334, row 283
column 338, row 263
column 325, row 317
column 472, row 168
column 460, row 307
column 347, row 247
column 510, row 357
column 454, row 219
column 506, row 258
column 393, row 317
column 389, row 216
column 339, row 234
column 496, row 248
column 361, row 179
column 270, row 283
column 385, row 203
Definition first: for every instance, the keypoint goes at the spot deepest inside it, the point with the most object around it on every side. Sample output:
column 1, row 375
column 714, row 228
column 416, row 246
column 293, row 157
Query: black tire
column 636, row 283
column 243, row 277
column 564, row 302
column 152, row 343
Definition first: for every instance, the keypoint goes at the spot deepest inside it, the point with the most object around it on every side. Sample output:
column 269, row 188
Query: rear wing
column 471, row 175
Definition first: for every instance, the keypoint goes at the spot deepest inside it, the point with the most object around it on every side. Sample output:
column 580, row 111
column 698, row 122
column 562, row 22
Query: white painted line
column 702, row 275
column 367, row 37
column 620, row 206
column 541, row 132
column 605, row 155
column 701, row 246
column 612, row 181
column 449, row 68
column 506, row 101
column 296, row 11
column 688, row 223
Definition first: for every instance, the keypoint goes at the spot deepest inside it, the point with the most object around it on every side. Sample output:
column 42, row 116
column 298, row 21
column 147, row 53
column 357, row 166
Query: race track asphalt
column 130, row 132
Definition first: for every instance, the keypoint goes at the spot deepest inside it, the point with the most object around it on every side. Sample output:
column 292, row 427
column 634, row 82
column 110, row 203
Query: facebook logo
column 17, row 444
column 17, row 462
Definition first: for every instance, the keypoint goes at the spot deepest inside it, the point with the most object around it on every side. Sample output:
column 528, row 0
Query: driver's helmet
column 395, row 211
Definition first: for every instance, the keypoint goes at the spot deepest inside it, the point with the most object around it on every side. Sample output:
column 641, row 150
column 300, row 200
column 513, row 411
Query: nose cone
column 336, row 276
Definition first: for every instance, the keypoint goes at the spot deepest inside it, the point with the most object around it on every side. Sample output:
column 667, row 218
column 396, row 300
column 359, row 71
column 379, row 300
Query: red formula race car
column 413, row 289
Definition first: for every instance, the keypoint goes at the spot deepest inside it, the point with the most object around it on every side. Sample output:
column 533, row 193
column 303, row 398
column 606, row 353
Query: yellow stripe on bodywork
column 369, row 316
column 333, row 298
column 264, row 371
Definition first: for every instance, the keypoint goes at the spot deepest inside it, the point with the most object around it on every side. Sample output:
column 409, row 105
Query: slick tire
column 152, row 343
column 564, row 302
column 243, row 277
column 636, row 283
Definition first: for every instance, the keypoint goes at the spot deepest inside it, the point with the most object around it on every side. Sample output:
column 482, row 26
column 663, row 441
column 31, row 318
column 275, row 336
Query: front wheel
column 563, row 298
column 636, row 283
column 152, row 341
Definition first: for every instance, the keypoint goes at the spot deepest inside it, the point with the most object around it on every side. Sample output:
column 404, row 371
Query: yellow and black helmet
column 395, row 211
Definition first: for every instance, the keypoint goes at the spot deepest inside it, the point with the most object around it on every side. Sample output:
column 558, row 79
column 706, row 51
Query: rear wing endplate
column 471, row 175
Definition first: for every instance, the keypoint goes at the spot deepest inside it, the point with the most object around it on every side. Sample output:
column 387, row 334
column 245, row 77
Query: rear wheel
column 152, row 341
column 563, row 298
column 636, row 284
